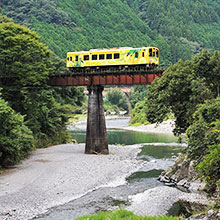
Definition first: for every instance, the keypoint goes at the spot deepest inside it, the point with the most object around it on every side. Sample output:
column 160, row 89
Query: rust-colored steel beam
column 121, row 78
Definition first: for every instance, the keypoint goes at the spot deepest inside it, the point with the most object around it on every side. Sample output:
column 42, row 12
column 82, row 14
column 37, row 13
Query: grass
column 124, row 214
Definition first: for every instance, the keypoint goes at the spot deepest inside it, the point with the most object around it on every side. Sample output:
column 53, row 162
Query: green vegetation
column 190, row 91
column 16, row 139
column 187, row 25
column 182, row 87
column 84, row 24
column 179, row 28
column 204, row 141
column 116, row 101
column 43, row 112
column 123, row 214
column 138, row 115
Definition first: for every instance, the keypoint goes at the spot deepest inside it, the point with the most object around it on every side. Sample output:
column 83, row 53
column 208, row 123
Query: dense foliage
column 138, row 93
column 204, row 140
column 190, row 91
column 16, row 139
column 138, row 115
column 179, row 28
column 124, row 214
column 116, row 101
column 188, row 25
column 26, row 64
column 85, row 24
column 182, row 87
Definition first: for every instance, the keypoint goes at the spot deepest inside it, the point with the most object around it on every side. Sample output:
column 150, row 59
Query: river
column 158, row 152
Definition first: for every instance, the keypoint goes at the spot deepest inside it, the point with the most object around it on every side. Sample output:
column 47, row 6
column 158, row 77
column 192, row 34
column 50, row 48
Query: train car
column 124, row 56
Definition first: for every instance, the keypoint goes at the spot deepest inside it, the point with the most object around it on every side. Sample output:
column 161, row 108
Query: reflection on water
column 127, row 137
column 142, row 175
column 159, row 151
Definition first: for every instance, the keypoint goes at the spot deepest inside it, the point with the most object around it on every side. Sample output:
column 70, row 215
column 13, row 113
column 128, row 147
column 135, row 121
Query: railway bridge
column 95, row 80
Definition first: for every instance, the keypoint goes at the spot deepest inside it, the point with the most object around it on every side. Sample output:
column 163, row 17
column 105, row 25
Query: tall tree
column 180, row 90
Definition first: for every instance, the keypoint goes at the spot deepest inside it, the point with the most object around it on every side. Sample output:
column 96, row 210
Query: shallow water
column 158, row 154
column 123, row 137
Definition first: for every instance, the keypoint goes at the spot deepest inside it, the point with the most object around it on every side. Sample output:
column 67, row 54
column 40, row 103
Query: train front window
column 86, row 57
column 71, row 58
column 150, row 52
column 68, row 58
column 109, row 56
column 116, row 56
column 101, row 56
column 157, row 53
column 94, row 57
column 77, row 58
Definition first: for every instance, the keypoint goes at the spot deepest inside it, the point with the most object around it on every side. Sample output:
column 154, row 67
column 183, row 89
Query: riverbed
column 61, row 182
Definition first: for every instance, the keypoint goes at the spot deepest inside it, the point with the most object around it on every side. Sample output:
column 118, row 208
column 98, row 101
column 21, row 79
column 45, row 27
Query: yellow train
column 124, row 56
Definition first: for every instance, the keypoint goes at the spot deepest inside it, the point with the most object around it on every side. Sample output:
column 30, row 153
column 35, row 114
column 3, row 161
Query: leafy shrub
column 138, row 115
column 201, row 134
column 16, row 139
column 209, row 167
column 116, row 97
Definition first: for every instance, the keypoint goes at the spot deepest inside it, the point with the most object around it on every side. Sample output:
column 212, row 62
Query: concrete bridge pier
column 96, row 135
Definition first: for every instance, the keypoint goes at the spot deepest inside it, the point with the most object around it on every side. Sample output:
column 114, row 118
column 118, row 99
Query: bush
column 138, row 115
column 16, row 139
column 201, row 134
column 209, row 167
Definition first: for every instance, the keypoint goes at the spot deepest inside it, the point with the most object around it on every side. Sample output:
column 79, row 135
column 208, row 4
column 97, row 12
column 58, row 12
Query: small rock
column 164, row 179
column 211, row 212
column 170, row 184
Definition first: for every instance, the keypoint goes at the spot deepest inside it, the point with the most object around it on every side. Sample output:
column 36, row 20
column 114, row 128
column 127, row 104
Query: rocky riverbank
column 183, row 176
column 59, row 174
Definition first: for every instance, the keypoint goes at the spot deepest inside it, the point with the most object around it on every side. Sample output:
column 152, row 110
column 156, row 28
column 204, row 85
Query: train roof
column 110, row 49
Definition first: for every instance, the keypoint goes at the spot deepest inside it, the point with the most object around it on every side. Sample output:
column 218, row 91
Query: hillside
column 187, row 25
column 65, row 26
column 179, row 28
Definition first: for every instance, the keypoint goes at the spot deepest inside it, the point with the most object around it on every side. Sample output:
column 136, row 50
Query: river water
column 158, row 154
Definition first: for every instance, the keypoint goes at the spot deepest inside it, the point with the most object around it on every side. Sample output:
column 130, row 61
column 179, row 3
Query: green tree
column 204, row 141
column 138, row 93
column 138, row 115
column 116, row 97
column 178, row 92
column 28, row 63
column 16, row 139
column 201, row 133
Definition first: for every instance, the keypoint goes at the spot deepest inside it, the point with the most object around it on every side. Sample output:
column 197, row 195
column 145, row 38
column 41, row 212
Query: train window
column 94, row 57
column 86, row 57
column 68, row 58
column 154, row 54
column 101, row 56
column 77, row 58
column 116, row 56
column 71, row 58
column 157, row 53
column 109, row 56
column 136, row 54
column 150, row 52
column 142, row 54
